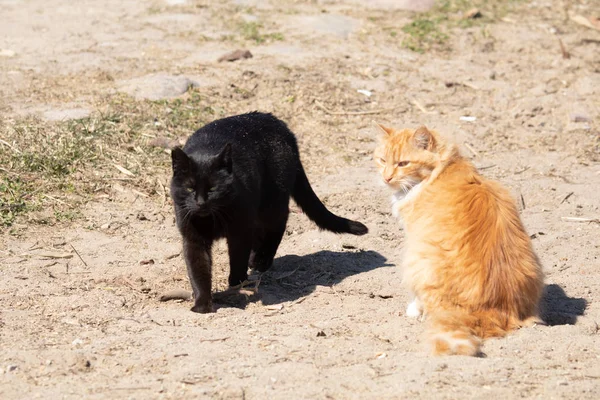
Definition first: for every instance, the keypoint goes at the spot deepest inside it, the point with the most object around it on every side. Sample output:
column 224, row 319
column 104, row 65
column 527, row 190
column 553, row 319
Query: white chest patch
column 400, row 198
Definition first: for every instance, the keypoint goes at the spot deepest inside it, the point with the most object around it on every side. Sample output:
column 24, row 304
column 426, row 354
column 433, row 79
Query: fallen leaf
column 591, row 22
column 124, row 170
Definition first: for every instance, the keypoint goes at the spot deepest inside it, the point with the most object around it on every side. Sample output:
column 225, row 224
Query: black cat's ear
column 224, row 158
column 180, row 161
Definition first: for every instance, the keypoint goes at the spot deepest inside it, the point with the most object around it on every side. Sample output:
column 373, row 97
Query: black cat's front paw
column 203, row 307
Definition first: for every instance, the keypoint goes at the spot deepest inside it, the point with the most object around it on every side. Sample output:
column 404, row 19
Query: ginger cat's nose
column 387, row 179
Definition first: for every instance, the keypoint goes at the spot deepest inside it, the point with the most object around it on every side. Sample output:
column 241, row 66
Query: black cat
column 233, row 179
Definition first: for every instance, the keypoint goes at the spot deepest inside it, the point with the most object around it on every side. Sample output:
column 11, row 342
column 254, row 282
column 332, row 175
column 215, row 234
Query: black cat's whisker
column 187, row 217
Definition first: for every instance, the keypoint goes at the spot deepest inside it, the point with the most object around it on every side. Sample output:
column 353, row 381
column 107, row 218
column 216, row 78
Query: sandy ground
column 327, row 321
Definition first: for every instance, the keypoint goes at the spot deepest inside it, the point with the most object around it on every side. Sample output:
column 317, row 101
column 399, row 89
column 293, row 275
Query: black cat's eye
column 189, row 189
column 403, row 163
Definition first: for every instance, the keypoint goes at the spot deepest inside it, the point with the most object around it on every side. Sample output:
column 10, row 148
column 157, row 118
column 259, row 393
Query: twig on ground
column 580, row 219
column 565, row 54
column 48, row 254
column 215, row 340
column 328, row 111
column 521, row 171
column 421, row 107
column 471, row 149
column 163, row 193
column 567, row 197
column 487, row 167
column 285, row 274
column 78, row 255
column 54, row 198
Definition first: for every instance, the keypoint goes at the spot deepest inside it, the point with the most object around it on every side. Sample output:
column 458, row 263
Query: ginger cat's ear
column 424, row 139
column 382, row 129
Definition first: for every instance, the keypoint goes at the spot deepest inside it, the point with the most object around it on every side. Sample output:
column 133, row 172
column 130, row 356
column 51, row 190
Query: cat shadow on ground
column 293, row 277
column 556, row 308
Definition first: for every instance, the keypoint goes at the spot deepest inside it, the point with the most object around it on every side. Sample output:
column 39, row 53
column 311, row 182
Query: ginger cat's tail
column 461, row 332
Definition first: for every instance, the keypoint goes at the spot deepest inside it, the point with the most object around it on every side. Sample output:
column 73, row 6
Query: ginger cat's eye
column 381, row 161
column 403, row 163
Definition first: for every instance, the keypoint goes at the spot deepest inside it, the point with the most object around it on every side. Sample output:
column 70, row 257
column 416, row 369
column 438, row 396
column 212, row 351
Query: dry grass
column 53, row 168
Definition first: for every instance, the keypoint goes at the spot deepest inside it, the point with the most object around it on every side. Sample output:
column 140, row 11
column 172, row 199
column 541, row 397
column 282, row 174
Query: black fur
column 233, row 179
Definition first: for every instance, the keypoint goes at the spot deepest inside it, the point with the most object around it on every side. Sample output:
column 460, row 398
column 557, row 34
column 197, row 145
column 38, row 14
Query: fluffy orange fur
column 467, row 258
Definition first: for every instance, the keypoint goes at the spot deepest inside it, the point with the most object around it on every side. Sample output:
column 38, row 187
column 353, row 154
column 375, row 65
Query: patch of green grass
column 422, row 34
column 13, row 194
column 433, row 28
column 54, row 167
column 252, row 31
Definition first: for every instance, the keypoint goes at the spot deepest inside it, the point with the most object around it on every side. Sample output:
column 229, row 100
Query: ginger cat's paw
column 413, row 310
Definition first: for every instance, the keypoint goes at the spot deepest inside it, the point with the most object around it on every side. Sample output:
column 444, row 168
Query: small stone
column 156, row 86
column 321, row 334
column 579, row 117
column 473, row 13
column 11, row 368
column 442, row 367
column 235, row 55
column 140, row 216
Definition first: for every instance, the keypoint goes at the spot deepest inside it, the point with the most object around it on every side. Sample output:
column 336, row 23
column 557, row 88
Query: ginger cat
column 467, row 258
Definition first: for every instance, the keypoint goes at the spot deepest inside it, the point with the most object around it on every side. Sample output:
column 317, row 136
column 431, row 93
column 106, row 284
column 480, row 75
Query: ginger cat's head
column 407, row 157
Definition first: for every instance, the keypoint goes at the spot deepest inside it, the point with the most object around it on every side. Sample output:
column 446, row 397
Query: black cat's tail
column 308, row 201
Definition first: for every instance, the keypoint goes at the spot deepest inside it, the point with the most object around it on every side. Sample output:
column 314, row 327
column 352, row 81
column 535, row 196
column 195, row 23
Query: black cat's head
column 201, row 185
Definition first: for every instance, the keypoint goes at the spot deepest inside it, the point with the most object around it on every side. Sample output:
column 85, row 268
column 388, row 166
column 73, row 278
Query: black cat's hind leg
column 240, row 245
column 265, row 252
column 198, row 259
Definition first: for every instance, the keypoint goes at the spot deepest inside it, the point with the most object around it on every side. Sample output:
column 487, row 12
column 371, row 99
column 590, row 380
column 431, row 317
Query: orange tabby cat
column 467, row 258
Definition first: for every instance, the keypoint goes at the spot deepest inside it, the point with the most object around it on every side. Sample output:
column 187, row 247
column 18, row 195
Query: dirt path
column 79, row 309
